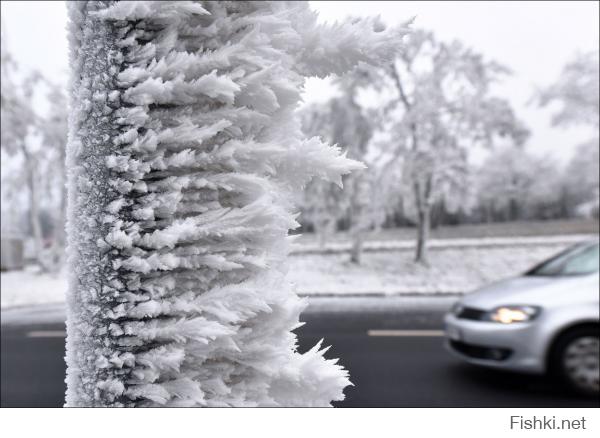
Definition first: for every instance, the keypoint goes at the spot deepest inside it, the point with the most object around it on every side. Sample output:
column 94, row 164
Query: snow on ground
column 451, row 271
column 483, row 242
column 456, row 266
column 21, row 288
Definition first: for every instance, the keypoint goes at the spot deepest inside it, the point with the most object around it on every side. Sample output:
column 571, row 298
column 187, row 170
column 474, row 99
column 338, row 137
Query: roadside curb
column 380, row 294
column 442, row 244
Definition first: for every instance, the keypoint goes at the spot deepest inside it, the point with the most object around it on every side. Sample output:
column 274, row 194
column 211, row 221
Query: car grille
column 481, row 352
column 471, row 313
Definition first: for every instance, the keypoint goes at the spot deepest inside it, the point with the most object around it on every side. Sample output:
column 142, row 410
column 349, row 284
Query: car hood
column 532, row 290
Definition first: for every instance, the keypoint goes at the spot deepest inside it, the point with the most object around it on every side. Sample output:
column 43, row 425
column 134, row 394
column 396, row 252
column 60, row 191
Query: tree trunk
column 34, row 212
column 322, row 238
column 422, row 195
column 489, row 212
column 357, row 248
column 324, row 231
column 437, row 214
column 423, row 228
column 58, row 248
column 513, row 210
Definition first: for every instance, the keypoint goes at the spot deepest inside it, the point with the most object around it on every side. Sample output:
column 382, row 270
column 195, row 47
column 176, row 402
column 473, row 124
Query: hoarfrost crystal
column 184, row 157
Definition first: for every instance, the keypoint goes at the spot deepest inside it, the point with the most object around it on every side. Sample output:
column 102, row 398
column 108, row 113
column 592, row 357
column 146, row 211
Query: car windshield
column 579, row 260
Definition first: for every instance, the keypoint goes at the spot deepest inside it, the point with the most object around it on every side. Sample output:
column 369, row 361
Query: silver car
column 546, row 320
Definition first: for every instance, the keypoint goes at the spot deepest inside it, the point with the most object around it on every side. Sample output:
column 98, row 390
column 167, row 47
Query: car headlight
column 512, row 314
column 457, row 308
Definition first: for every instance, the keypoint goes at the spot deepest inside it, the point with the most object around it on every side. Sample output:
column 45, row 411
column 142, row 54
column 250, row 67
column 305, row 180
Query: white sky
column 534, row 39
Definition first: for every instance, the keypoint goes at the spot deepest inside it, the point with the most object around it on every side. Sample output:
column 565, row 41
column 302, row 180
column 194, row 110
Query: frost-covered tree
column 20, row 142
column 342, row 121
column 33, row 144
column 440, row 108
column 184, row 155
column 576, row 91
column 513, row 184
column 582, row 180
column 53, row 130
column 323, row 204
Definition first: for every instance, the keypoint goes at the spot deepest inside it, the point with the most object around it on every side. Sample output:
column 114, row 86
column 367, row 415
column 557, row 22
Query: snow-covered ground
column 21, row 288
column 451, row 270
column 456, row 266
column 483, row 242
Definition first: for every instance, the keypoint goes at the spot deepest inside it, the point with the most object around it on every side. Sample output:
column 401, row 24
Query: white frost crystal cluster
column 184, row 157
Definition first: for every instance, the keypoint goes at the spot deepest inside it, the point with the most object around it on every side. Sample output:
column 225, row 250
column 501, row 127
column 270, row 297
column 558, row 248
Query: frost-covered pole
column 184, row 156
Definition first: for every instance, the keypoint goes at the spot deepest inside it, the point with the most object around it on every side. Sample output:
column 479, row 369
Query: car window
column 580, row 260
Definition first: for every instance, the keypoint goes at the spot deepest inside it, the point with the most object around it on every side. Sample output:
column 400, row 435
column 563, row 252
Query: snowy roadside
column 407, row 245
column 452, row 270
column 27, row 287
column 457, row 266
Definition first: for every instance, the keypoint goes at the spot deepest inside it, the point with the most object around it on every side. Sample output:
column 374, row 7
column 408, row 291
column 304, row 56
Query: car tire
column 575, row 359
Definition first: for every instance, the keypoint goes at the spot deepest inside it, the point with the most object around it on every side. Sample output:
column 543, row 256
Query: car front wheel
column 576, row 359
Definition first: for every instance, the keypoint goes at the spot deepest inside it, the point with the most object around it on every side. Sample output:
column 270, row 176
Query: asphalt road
column 392, row 347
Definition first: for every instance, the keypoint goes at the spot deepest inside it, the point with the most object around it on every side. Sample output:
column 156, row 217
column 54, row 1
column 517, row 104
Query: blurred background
column 481, row 145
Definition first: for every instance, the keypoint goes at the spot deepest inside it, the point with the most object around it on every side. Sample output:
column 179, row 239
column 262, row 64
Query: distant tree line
column 416, row 123
column 33, row 159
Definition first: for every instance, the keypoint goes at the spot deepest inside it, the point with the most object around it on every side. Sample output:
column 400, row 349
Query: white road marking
column 47, row 334
column 406, row 333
